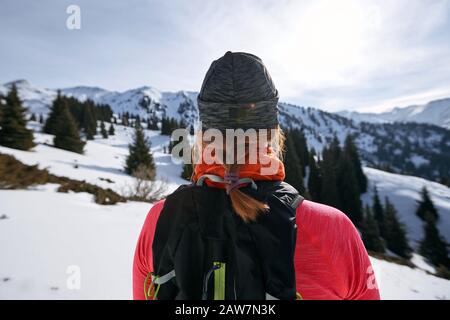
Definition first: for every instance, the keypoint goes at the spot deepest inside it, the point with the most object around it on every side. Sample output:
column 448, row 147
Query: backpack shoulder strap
column 281, row 190
column 275, row 237
column 174, row 215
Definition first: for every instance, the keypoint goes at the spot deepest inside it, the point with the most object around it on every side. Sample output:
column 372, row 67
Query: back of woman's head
column 238, row 94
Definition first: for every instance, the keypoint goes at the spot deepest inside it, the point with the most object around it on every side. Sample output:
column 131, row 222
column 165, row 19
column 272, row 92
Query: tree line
column 68, row 120
column 336, row 178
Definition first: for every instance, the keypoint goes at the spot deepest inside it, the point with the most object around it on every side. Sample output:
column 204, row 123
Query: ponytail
column 245, row 206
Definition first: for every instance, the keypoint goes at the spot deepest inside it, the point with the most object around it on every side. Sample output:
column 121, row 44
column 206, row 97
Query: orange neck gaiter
column 252, row 171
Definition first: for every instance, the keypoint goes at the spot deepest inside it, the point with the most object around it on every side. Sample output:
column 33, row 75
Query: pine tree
column 370, row 233
column 173, row 125
column 140, row 155
column 292, row 166
column 188, row 169
column 378, row 212
column 103, row 130
column 125, row 120
column 152, row 123
column 396, row 240
column 33, row 117
column 54, row 116
column 334, row 149
column 165, row 130
column 301, row 147
column 433, row 247
column 111, row 130
column 41, row 119
column 168, row 125
column 314, row 179
column 348, row 190
column 352, row 152
column 89, row 124
column 67, row 136
column 329, row 192
column 426, row 206
column 1, row 107
column 13, row 125
column 137, row 122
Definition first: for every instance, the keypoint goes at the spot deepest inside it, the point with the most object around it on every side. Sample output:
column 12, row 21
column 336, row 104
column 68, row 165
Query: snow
column 103, row 159
column 397, row 282
column 404, row 192
column 46, row 233
column 45, row 236
column 420, row 263
column 418, row 160
column 435, row 112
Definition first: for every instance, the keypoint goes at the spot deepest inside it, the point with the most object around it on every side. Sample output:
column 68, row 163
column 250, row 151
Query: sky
column 367, row 55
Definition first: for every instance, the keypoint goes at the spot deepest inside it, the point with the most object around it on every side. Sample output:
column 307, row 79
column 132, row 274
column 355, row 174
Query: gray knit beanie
column 238, row 92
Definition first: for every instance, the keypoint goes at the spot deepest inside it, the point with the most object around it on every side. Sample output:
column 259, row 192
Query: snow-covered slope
column 103, row 160
column 48, row 237
column 416, row 149
column 404, row 192
column 45, row 233
column 436, row 112
column 397, row 282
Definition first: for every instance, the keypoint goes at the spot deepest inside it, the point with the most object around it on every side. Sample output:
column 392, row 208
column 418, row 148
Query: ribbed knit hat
column 238, row 92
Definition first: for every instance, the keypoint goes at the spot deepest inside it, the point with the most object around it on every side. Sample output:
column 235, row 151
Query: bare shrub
column 101, row 195
column 144, row 189
column 16, row 175
column 442, row 272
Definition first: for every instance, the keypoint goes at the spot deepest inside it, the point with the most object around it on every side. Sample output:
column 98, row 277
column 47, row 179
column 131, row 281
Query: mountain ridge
column 409, row 148
column 435, row 112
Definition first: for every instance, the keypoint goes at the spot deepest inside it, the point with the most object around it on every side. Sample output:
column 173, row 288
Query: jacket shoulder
column 327, row 224
column 313, row 212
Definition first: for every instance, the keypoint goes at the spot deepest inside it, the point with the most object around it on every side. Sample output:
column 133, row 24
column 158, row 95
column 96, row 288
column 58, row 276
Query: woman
column 239, row 231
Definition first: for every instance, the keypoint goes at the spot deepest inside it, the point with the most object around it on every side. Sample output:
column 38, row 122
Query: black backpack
column 203, row 250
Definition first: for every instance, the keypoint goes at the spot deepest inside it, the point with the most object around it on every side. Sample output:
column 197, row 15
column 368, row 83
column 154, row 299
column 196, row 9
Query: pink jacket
column 330, row 260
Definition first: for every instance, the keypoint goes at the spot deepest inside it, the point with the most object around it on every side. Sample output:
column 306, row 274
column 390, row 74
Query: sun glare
column 326, row 41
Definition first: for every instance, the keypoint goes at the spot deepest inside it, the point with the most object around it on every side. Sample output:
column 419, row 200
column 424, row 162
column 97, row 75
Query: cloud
column 330, row 54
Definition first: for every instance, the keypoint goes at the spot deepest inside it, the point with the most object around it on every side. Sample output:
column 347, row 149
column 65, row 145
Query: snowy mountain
column 36, row 99
column 55, row 231
column 435, row 112
column 409, row 148
column 144, row 101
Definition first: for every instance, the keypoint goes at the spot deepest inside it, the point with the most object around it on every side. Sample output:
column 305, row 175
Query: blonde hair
column 245, row 206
